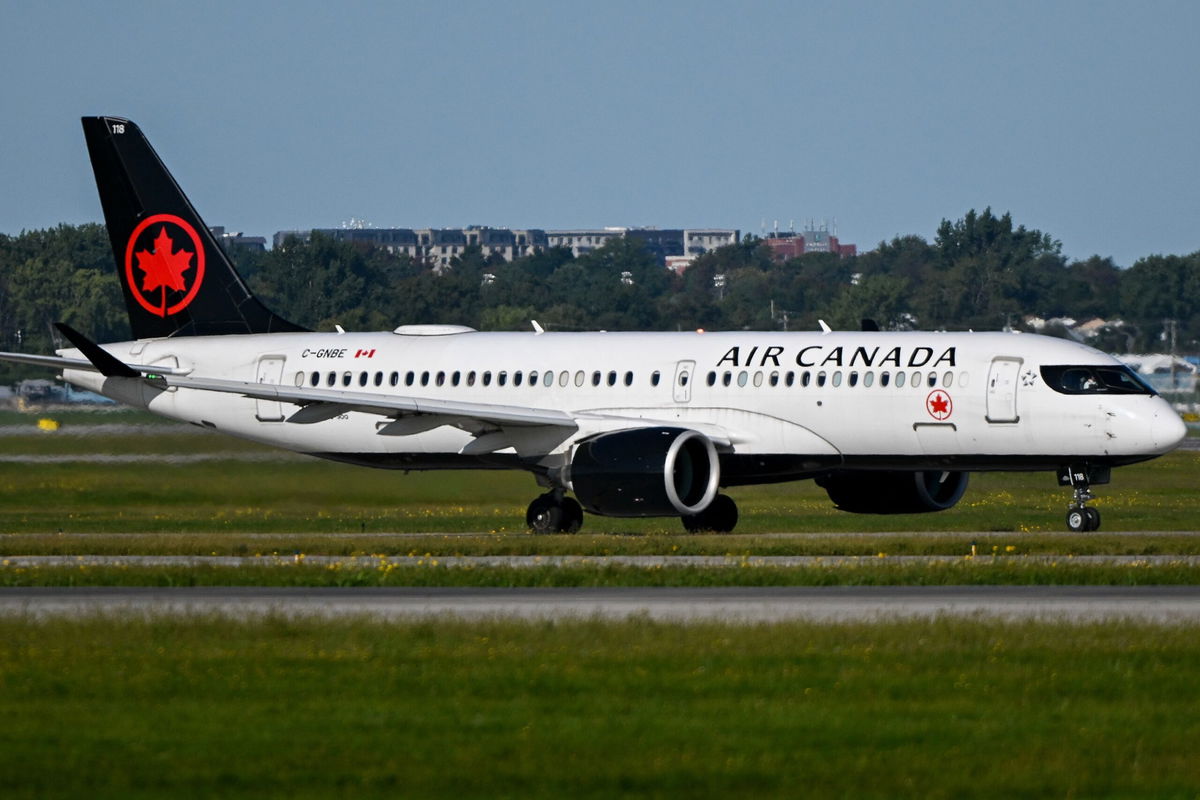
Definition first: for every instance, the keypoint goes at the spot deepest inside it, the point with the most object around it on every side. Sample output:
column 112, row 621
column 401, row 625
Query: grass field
column 199, row 706
column 275, row 708
column 1000, row 572
column 296, row 495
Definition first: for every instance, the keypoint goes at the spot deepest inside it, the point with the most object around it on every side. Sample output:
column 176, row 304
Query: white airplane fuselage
column 803, row 402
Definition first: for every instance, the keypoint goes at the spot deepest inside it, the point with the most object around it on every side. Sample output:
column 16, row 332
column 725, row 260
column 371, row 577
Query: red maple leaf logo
column 163, row 267
column 938, row 404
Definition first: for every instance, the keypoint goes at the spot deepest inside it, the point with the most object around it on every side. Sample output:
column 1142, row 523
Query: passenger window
column 962, row 380
column 884, row 377
column 948, row 380
column 502, row 378
column 517, row 378
column 408, row 378
column 487, row 378
column 455, row 378
column 758, row 379
column 379, row 379
column 347, row 378
column 837, row 378
column 533, row 376
column 596, row 378
column 868, row 379
column 727, row 379
column 612, row 378
column 683, row 378
column 790, row 379
column 394, row 379
column 712, row 378
column 933, row 379
column 563, row 378
column 774, row 378
column 425, row 378
column 853, row 378
column 820, row 379
column 300, row 376
column 471, row 378
column 362, row 379
column 915, row 380
column 899, row 380
column 655, row 378
column 579, row 378
column 548, row 378
column 331, row 379
column 629, row 379
column 315, row 378
column 742, row 377
column 806, row 378
column 441, row 378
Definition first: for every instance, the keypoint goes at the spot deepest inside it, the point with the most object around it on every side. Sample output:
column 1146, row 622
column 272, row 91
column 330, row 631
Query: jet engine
column 894, row 492
column 646, row 472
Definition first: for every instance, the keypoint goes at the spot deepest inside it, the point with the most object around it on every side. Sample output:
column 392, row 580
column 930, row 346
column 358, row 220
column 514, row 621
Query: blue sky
column 1081, row 118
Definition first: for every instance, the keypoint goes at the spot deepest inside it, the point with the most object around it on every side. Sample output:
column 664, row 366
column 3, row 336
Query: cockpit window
column 1095, row 380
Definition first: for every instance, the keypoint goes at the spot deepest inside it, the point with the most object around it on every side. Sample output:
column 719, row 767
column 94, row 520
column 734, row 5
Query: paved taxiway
column 747, row 605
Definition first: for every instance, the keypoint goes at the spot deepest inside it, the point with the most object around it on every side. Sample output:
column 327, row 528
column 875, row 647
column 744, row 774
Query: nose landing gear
column 1081, row 517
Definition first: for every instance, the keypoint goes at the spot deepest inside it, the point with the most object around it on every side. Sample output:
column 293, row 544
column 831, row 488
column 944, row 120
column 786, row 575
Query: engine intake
column 888, row 492
column 646, row 472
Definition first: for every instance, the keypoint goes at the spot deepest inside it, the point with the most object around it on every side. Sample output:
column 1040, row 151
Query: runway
column 1157, row 604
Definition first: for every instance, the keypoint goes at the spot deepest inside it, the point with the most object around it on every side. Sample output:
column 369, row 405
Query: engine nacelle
column 894, row 492
column 646, row 472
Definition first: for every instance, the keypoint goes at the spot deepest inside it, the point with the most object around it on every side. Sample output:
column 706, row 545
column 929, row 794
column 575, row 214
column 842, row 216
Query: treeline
column 980, row 272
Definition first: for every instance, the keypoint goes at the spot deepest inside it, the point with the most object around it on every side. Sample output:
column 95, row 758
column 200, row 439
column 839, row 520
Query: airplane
column 633, row 424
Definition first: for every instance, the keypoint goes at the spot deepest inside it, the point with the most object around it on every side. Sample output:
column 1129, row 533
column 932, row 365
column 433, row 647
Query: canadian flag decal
column 365, row 353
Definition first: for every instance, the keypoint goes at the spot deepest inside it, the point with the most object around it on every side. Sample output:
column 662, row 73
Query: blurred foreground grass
column 195, row 707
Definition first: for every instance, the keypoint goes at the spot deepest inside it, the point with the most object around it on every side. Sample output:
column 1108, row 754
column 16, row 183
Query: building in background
column 813, row 239
column 232, row 240
column 437, row 246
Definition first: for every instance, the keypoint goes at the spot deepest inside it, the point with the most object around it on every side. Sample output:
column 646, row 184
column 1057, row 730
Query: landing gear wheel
column 544, row 514
column 572, row 516
column 554, row 514
column 1082, row 519
column 721, row 516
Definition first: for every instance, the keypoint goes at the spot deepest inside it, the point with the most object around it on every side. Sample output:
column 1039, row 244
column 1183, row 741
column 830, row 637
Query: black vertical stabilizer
column 176, row 278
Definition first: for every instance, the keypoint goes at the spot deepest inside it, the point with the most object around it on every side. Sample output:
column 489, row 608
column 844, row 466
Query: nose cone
column 1167, row 429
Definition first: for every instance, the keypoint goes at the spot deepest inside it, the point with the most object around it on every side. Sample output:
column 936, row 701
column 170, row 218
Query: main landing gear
column 1082, row 518
column 554, row 512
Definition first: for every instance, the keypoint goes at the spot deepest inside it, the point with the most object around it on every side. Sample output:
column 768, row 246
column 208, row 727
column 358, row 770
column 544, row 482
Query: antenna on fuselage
column 824, row 328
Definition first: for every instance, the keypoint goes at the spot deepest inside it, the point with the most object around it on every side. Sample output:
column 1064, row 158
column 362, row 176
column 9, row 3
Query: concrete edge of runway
column 1056, row 604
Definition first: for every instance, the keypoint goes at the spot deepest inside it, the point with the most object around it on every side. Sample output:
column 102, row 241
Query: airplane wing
column 322, row 404
column 317, row 405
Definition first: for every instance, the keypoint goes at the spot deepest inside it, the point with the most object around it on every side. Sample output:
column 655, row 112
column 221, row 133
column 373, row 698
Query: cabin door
column 1002, row 390
column 270, row 371
column 682, row 388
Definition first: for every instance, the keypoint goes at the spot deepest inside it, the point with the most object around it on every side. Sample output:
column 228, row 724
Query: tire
column 1077, row 520
column 544, row 515
column 572, row 516
column 1093, row 518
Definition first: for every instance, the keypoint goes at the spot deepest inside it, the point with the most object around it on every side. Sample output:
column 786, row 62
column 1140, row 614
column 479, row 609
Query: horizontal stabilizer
column 108, row 365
